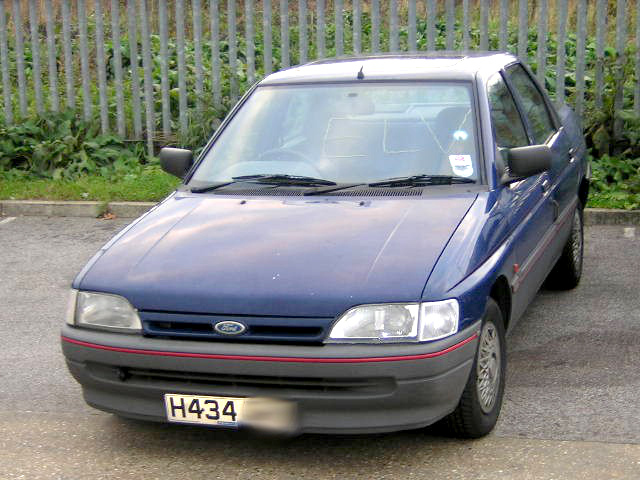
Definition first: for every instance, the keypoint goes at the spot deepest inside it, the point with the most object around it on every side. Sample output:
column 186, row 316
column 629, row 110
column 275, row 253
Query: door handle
column 545, row 185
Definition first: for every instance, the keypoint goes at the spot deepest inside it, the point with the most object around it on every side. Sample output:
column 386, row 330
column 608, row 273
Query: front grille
column 245, row 384
column 259, row 329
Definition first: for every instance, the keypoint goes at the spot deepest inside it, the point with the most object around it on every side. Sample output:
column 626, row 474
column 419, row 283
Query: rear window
column 356, row 132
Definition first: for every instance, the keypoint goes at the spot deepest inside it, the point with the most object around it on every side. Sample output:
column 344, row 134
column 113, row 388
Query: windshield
column 345, row 133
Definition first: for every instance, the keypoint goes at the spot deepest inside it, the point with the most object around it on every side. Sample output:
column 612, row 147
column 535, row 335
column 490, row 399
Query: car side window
column 533, row 104
column 508, row 128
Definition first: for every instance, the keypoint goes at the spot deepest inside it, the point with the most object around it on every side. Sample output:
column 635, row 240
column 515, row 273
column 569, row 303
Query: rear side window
column 508, row 128
column 533, row 104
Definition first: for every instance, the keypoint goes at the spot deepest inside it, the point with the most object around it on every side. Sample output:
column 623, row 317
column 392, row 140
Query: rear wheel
column 568, row 269
column 479, row 407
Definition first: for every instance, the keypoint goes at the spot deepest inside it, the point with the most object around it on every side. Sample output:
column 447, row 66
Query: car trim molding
column 542, row 245
column 255, row 358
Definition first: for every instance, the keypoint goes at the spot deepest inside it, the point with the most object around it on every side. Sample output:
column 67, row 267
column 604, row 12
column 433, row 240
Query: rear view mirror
column 527, row 161
column 176, row 161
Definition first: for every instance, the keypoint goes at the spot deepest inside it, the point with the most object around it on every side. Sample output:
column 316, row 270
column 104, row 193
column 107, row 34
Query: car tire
column 567, row 271
column 479, row 406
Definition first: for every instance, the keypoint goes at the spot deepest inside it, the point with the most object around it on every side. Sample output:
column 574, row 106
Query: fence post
column 541, row 53
column 68, row 54
column 214, row 13
column 523, row 27
column 135, row 79
column 320, row 29
column 51, row 55
column 163, row 27
column 87, row 102
column 196, row 8
column 302, row 31
column 4, row 59
column 465, row 25
column 101, row 66
column 231, row 40
column 357, row 27
column 393, row 26
column 284, row 34
column 36, row 72
column 249, row 39
column 147, row 66
column 413, row 46
column 636, row 90
column 484, row 26
column 266, row 37
column 375, row 26
column 601, row 25
column 19, row 47
column 339, row 37
column 431, row 24
column 451, row 21
column 581, row 26
column 621, row 61
column 182, row 83
column 561, row 52
column 504, row 25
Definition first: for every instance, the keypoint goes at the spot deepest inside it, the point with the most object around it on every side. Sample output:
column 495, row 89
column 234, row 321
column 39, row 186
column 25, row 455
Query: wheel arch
column 583, row 191
column 501, row 294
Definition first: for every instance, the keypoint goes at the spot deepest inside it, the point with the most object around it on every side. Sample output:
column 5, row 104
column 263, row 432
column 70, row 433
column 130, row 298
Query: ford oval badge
column 229, row 327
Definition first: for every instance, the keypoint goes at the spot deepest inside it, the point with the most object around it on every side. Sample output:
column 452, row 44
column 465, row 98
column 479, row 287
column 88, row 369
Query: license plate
column 260, row 413
column 204, row 410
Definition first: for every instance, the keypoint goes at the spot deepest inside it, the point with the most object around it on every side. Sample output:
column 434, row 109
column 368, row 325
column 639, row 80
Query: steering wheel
column 278, row 153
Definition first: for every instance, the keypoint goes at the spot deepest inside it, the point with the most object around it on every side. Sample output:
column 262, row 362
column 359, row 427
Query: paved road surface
column 571, row 408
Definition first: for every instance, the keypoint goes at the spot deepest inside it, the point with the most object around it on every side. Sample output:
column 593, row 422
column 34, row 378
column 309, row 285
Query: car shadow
column 300, row 451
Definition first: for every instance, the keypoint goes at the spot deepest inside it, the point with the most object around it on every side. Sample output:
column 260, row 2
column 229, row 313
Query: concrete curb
column 129, row 209
column 605, row 216
column 61, row 208
column 47, row 208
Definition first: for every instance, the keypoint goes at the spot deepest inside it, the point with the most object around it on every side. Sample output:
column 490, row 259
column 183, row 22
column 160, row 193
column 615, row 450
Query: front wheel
column 479, row 407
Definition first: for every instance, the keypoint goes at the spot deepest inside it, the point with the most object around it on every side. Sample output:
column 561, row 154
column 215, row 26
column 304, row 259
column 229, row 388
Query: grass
column 149, row 186
column 610, row 200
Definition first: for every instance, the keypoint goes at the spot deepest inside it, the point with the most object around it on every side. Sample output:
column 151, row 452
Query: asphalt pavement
column 571, row 403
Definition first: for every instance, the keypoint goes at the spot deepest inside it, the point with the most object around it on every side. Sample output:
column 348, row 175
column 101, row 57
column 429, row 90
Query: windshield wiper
column 333, row 189
column 269, row 179
column 284, row 179
column 208, row 188
column 421, row 180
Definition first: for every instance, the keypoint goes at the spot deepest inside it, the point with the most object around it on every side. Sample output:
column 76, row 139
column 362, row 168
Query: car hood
column 276, row 256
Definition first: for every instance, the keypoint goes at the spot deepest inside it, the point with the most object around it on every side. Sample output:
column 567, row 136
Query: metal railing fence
column 150, row 69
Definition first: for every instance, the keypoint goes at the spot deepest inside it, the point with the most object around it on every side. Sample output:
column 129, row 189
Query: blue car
column 345, row 255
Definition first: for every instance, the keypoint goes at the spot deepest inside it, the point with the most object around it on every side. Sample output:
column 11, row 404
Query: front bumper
column 337, row 388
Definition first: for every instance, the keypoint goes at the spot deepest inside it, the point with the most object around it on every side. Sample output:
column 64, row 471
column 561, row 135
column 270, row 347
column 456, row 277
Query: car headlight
column 392, row 322
column 102, row 310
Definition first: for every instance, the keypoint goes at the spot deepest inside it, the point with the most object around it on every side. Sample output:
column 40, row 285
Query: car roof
column 439, row 65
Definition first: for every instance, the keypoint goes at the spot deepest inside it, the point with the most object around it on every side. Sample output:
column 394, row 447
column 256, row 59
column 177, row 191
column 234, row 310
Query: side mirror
column 176, row 161
column 524, row 162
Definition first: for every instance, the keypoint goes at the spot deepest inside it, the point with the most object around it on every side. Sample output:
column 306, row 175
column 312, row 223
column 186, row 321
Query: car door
column 530, row 212
column 544, row 128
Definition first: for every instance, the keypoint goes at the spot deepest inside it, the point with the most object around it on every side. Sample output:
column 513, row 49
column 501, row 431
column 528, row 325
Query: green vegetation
column 151, row 185
column 60, row 156
column 63, row 146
